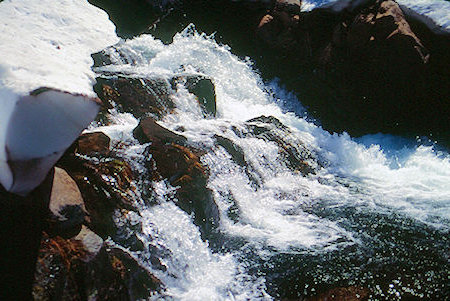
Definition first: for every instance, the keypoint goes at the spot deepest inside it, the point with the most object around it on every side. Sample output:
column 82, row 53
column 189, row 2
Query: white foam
column 264, row 203
column 240, row 96
column 192, row 271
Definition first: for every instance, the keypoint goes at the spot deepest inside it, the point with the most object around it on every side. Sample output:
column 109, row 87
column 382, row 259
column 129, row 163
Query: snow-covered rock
column 47, row 44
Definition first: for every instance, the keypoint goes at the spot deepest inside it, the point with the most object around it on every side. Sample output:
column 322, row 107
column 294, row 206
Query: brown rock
column 182, row 167
column 381, row 34
column 66, row 206
column 149, row 130
column 139, row 96
column 96, row 142
column 84, row 268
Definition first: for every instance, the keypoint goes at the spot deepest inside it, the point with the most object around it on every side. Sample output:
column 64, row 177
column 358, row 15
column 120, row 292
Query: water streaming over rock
column 299, row 209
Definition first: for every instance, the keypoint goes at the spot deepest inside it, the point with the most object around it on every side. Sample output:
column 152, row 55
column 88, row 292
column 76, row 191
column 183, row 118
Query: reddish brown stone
column 96, row 142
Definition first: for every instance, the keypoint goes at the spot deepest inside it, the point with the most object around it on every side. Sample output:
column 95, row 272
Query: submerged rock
column 351, row 293
column 294, row 152
column 180, row 164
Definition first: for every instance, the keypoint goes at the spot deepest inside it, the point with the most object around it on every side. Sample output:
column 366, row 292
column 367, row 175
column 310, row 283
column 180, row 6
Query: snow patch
column 46, row 43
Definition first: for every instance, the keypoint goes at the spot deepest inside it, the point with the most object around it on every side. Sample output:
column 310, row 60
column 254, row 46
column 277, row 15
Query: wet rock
column 203, row 88
column 182, row 167
column 351, row 293
column 90, row 143
column 150, row 131
column 362, row 66
column 293, row 151
column 85, row 268
column 278, row 28
column 137, row 95
column 105, row 185
column 67, row 210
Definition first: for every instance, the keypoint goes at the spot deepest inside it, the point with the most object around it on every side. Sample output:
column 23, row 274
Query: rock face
column 365, row 65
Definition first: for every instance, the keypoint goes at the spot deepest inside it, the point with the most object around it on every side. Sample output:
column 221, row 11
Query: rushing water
column 374, row 212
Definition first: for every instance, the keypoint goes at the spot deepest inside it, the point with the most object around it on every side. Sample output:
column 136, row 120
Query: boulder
column 149, row 130
column 378, row 35
column 181, row 166
column 85, row 268
column 67, row 210
column 106, row 187
column 96, row 142
column 138, row 96
column 362, row 66
column 203, row 88
column 297, row 156
column 277, row 28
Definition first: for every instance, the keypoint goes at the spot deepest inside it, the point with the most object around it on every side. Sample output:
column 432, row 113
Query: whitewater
column 373, row 211
column 273, row 215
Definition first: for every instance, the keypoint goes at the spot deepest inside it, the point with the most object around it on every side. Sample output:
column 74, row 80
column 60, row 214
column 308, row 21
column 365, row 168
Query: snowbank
column 46, row 43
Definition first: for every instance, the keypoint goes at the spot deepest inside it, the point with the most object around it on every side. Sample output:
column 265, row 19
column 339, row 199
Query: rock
column 362, row 66
column 96, row 142
column 85, row 268
column 105, row 185
column 292, row 7
column 182, row 167
column 296, row 155
column 67, row 210
column 137, row 95
column 277, row 29
column 379, row 34
column 150, row 131
column 203, row 88
column 92, row 243
column 351, row 293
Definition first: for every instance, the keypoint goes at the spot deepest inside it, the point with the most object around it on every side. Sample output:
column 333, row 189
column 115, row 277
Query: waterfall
column 299, row 208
